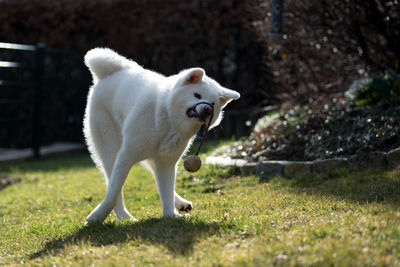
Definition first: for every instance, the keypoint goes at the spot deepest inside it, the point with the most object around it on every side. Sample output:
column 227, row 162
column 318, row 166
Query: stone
column 371, row 160
column 225, row 161
column 269, row 169
column 393, row 157
column 296, row 168
column 248, row 169
column 221, row 151
column 328, row 165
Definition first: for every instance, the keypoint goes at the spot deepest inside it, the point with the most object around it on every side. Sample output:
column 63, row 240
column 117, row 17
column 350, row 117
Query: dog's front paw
column 186, row 207
column 183, row 205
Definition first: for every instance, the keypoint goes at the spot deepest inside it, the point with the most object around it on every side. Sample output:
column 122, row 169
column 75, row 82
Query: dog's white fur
column 135, row 115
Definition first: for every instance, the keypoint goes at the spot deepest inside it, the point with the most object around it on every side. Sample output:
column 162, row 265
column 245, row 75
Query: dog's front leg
column 165, row 178
column 182, row 204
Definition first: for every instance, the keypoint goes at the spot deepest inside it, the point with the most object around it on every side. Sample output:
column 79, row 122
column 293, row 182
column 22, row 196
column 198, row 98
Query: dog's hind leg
column 120, row 170
column 104, row 143
column 111, row 150
column 108, row 161
column 120, row 210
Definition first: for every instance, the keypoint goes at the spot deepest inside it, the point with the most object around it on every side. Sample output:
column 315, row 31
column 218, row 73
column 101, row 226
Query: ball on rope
column 192, row 163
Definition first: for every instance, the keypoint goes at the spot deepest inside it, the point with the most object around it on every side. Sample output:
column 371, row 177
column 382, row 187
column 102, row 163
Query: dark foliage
column 325, row 46
column 337, row 129
column 328, row 44
column 166, row 36
column 370, row 90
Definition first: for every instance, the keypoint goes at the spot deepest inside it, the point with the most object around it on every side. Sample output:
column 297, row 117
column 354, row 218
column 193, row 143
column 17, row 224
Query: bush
column 337, row 129
column 370, row 90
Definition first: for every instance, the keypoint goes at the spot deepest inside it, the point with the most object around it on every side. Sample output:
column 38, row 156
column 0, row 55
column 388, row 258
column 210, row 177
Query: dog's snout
column 205, row 112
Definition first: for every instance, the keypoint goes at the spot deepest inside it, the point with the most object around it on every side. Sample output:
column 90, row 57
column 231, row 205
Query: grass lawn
column 344, row 218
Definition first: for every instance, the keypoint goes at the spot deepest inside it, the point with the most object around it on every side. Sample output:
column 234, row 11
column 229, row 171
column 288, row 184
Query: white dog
column 135, row 115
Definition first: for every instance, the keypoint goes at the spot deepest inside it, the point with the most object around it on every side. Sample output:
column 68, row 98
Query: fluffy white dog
column 135, row 115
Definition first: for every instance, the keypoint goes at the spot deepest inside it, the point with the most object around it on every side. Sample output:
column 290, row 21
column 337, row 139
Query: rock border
column 271, row 168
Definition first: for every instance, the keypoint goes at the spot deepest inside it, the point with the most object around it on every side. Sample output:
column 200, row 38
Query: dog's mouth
column 200, row 111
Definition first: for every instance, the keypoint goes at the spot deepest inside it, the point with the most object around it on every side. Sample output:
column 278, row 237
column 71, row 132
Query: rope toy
column 192, row 163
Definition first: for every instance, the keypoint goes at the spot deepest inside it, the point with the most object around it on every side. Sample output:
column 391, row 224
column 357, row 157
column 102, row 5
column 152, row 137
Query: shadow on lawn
column 64, row 161
column 367, row 186
column 177, row 235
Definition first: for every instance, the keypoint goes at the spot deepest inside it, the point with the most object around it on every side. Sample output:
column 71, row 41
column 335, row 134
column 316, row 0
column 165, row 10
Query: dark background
column 325, row 46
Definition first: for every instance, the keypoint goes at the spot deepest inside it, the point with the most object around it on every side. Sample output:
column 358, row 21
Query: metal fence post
column 276, row 17
column 38, row 98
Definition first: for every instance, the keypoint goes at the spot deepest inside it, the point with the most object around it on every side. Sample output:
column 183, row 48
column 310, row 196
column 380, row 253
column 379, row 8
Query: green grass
column 344, row 218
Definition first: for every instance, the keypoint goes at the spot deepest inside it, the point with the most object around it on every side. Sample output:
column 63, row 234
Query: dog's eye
column 196, row 95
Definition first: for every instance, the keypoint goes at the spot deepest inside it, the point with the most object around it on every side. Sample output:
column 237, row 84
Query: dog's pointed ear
column 194, row 75
column 227, row 96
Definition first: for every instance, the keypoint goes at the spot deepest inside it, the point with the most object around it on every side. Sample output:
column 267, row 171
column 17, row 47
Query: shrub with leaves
column 340, row 128
column 370, row 90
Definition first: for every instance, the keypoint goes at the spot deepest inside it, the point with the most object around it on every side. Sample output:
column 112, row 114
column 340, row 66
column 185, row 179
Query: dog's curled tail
column 103, row 62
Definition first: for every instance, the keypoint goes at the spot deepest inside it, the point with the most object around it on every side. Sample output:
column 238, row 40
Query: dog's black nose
column 205, row 112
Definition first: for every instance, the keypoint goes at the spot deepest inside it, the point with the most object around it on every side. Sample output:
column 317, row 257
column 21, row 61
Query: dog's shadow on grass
column 177, row 235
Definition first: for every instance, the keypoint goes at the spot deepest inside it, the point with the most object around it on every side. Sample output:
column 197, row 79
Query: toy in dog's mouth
column 201, row 111
column 193, row 163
